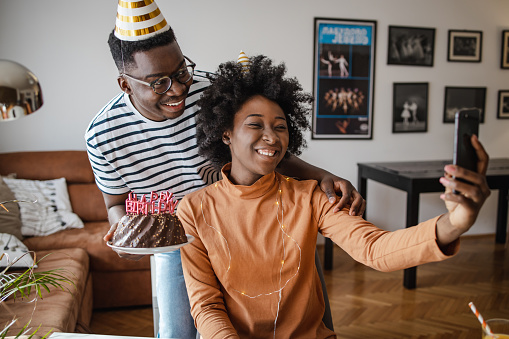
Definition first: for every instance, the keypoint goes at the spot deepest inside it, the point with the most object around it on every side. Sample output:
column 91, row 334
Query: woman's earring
column 226, row 140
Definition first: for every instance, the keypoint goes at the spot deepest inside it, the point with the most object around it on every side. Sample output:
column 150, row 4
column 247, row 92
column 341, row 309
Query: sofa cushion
column 87, row 202
column 57, row 309
column 51, row 213
column 10, row 221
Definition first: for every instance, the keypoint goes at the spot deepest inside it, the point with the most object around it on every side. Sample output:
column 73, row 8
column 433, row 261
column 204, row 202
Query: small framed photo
column 411, row 46
column 458, row 98
column 504, row 60
column 503, row 104
column 465, row 46
column 410, row 107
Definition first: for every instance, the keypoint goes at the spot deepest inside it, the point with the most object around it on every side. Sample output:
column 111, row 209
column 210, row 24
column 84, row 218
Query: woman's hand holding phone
column 463, row 208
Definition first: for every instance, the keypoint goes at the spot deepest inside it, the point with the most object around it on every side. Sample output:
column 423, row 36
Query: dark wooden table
column 418, row 177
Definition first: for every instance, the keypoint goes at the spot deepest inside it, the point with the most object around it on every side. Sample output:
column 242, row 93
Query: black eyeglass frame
column 152, row 83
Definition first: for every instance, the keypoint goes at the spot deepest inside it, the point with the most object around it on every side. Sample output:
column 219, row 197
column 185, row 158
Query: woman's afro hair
column 231, row 87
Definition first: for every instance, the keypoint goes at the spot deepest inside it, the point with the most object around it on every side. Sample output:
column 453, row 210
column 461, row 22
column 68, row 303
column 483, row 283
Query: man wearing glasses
column 173, row 105
column 144, row 140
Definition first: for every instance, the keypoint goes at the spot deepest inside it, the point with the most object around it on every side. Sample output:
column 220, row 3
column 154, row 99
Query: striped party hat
column 244, row 61
column 139, row 20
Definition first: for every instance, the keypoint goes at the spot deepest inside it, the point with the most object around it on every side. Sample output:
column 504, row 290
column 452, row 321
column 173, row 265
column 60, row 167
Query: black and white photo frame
column 504, row 58
column 411, row 46
column 459, row 98
column 503, row 104
column 410, row 107
column 464, row 46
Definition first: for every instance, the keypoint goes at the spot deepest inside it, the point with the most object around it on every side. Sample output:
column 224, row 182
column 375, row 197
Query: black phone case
column 466, row 124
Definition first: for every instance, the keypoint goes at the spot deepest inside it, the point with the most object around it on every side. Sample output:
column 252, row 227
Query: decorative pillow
column 10, row 221
column 12, row 248
column 51, row 213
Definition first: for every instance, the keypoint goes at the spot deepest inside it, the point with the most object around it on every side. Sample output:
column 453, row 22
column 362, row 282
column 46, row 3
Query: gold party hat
column 244, row 61
column 139, row 20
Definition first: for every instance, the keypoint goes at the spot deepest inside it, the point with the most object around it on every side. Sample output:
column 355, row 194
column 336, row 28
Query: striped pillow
column 51, row 213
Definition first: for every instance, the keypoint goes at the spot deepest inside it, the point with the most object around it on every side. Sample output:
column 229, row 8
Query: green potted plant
column 20, row 284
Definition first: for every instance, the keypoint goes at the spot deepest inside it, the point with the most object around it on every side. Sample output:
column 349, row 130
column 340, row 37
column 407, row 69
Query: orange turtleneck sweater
column 250, row 271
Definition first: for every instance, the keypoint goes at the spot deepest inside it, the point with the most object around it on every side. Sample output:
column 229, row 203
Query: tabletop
column 433, row 168
column 58, row 335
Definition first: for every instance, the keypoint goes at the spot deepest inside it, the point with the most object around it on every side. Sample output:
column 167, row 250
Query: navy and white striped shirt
column 129, row 152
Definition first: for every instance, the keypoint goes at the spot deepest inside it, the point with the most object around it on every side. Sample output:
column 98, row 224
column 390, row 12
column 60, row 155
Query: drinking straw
column 480, row 318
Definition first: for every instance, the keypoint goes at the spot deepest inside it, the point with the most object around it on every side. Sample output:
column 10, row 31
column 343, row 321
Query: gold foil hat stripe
column 134, row 4
column 141, row 32
column 244, row 61
column 138, row 18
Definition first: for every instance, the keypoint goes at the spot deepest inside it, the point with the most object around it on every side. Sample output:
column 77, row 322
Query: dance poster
column 344, row 66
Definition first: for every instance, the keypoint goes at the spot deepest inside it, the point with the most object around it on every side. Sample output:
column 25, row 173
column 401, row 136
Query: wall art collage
column 344, row 70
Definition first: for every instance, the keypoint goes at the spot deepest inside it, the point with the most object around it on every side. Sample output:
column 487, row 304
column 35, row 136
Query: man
column 144, row 140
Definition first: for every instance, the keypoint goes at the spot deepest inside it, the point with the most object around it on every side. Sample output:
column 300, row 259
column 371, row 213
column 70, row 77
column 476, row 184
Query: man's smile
column 174, row 104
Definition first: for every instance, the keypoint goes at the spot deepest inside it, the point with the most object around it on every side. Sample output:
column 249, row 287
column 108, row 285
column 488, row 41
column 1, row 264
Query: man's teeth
column 265, row 152
column 175, row 104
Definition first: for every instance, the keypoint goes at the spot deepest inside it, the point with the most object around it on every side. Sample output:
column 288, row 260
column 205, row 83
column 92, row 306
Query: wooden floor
column 370, row 304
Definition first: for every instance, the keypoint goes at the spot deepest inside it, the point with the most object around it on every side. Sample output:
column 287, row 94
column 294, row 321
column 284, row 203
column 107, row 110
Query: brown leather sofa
column 112, row 281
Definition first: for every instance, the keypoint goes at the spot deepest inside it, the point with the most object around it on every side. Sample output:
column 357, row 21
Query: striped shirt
column 129, row 152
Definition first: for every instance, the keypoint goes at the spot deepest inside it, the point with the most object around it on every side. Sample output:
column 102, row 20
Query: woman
column 250, row 271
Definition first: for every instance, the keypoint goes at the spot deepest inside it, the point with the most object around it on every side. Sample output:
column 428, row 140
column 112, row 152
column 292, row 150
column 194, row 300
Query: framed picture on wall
column 343, row 78
column 458, row 98
column 504, row 60
column 411, row 46
column 464, row 46
column 503, row 104
column 410, row 107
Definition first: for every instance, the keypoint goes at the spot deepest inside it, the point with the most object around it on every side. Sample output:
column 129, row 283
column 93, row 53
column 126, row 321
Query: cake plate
column 151, row 250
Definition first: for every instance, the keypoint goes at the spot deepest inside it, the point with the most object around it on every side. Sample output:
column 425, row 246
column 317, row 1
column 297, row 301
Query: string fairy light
column 284, row 235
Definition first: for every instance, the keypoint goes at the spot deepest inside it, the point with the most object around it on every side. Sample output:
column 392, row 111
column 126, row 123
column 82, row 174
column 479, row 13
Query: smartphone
column 466, row 123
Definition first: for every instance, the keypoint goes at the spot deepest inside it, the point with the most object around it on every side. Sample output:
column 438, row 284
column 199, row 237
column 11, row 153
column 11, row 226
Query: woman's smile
column 267, row 152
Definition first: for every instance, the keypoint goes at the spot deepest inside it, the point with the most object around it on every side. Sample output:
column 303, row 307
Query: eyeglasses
column 163, row 84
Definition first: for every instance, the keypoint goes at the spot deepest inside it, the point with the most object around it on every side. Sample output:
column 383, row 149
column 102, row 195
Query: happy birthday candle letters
column 157, row 204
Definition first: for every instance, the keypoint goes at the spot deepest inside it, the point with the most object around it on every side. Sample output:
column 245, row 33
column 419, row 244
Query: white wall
column 64, row 43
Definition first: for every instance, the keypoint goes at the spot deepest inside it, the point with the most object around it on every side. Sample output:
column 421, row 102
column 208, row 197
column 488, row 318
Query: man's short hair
column 123, row 51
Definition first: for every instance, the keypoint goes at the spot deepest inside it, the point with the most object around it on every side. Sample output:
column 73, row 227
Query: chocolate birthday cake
column 149, row 223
